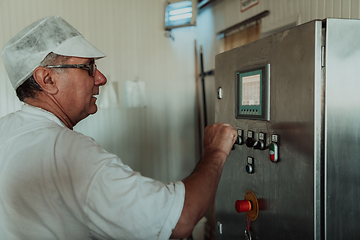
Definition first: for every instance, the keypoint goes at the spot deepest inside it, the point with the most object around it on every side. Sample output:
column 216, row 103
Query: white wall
column 160, row 141
column 282, row 11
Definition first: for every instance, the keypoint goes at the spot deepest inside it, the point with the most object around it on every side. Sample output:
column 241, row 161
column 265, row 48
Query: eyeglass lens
column 92, row 69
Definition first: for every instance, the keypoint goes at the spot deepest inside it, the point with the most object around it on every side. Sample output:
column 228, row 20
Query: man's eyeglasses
column 91, row 67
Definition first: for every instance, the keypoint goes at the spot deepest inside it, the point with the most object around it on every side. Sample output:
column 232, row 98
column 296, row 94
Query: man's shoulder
column 39, row 131
column 24, row 125
column 20, row 122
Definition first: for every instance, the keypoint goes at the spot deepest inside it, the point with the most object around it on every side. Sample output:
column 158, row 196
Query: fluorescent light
column 180, row 11
column 179, row 17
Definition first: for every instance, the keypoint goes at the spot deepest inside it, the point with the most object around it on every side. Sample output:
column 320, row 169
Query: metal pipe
column 203, row 85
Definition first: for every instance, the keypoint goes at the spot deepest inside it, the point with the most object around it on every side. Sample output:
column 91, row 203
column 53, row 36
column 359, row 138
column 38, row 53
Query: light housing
column 179, row 13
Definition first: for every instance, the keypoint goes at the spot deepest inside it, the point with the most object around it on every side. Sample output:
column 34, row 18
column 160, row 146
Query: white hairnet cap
column 24, row 52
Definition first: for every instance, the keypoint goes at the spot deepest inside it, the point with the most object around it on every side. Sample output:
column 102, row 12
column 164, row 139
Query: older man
column 59, row 184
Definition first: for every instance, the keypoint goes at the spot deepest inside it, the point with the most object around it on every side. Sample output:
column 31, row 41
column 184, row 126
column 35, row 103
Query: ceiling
column 203, row 3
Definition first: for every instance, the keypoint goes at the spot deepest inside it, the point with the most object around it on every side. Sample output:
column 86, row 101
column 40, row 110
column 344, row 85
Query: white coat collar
column 41, row 112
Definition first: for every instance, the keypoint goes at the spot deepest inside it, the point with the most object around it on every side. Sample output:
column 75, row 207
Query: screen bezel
column 263, row 108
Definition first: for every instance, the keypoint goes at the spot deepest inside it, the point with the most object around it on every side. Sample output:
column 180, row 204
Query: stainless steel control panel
column 293, row 172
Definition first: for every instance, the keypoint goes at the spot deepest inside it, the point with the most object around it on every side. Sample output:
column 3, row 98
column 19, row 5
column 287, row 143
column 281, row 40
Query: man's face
column 77, row 90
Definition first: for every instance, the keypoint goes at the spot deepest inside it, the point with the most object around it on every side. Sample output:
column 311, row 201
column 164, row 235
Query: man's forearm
column 200, row 189
column 201, row 185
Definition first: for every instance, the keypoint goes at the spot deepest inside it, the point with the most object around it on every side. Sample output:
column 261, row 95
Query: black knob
column 259, row 145
column 250, row 142
column 239, row 140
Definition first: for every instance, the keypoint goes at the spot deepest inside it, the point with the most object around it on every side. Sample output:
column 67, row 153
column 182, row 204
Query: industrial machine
column 294, row 172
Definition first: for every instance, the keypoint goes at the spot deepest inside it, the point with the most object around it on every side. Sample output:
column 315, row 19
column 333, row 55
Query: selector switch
column 261, row 142
column 239, row 140
column 250, row 139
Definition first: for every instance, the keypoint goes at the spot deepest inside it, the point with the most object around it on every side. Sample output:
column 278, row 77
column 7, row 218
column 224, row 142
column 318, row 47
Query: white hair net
column 24, row 52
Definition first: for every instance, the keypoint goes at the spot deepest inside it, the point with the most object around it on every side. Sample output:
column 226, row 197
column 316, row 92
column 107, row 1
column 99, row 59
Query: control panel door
column 269, row 92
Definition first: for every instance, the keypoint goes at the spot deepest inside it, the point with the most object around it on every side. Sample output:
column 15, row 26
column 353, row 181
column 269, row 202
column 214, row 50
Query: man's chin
column 94, row 109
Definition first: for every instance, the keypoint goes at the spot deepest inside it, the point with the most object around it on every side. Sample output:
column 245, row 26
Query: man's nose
column 100, row 79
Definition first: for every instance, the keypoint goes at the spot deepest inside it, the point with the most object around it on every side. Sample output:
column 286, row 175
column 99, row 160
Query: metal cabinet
column 309, row 92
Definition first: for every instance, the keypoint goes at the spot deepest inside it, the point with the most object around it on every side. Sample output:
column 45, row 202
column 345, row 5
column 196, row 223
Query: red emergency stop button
column 249, row 205
column 243, row 206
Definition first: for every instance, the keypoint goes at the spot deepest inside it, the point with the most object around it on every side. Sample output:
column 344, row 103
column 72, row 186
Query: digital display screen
column 250, row 90
column 253, row 93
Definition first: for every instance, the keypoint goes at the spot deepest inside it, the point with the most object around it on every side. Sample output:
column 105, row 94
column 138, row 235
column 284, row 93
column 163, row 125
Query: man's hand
column 220, row 138
column 201, row 185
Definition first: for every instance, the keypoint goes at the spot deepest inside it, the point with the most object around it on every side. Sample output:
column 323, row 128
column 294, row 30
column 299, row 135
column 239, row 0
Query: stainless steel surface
column 342, row 114
column 312, row 191
column 319, row 93
column 286, row 189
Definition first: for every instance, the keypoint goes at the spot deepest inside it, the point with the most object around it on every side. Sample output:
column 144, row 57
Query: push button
column 249, row 205
column 249, row 169
column 250, row 165
column 243, row 206
column 274, row 149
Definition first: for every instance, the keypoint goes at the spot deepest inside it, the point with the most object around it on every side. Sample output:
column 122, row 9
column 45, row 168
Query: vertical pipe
column 203, row 85
column 198, row 99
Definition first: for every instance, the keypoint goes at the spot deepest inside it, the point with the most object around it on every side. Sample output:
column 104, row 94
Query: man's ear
column 44, row 77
